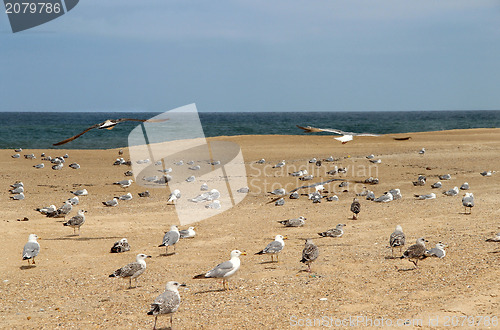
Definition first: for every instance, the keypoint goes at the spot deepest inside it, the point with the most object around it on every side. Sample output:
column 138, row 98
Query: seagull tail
column 112, row 275
column 303, row 260
column 162, row 244
column 155, row 309
column 322, row 234
column 200, row 276
column 66, row 224
column 260, row 252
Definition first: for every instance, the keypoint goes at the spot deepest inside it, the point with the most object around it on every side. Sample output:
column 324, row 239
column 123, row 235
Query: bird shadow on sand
column 24, row 267
column 166, row 254
column 494, row 251
column 267, row 262
column 212, row 290
column 391, row 257
column 78, row 238
column 406, row 269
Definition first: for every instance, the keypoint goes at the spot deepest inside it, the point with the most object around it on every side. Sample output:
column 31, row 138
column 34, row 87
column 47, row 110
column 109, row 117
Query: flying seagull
column 108, row 124
column 346, row 136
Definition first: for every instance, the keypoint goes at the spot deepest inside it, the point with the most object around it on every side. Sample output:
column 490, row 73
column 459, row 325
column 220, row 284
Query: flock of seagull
column 169, row 301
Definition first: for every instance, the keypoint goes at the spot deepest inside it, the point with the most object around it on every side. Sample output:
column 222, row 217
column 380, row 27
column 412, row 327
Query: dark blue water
column 35, row 130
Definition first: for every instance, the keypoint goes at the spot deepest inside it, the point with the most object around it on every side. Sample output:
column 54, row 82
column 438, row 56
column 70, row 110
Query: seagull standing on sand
column 77, row 221
column 133, row 269
column 416, row 251
column 108, row 124
column 346, row 136
column 170, row 238
column 355, row 208
column 309, row 254
column 224, row 270
column 31, row 249
column 397, row 239
column 334, row 232
column 468, row 202
column 167, row 303
column 274, row 248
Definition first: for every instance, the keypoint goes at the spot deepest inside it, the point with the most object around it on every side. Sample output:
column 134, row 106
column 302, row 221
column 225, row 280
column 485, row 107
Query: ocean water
column 36, row 130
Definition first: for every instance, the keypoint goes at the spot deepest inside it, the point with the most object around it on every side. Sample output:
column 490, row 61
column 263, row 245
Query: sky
column 256, row 55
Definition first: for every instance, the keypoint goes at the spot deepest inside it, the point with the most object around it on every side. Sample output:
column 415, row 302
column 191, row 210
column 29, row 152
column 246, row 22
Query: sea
column 39, row 130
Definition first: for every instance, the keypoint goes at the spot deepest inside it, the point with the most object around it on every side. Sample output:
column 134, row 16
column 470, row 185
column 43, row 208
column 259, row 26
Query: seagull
column 167, row 303
column 125, row 197
column 355, row 208
column 445, row 177
column 397, row 239
column 386, row 197
column 81, row 192
column 64, row 210
column 416, row 251
column 17, row 190
column 451, row 192
column 376, row 161
column 468, row 202
column 297, row 222
column 420, row 181
column 437, row 185
column 294, row 195
column 486, row 173
column 494, row 239
column 422, row 151
column 120, row 246
column 108, row 124
column 465, row 186
column 261, row 161
column 274, row 247
column 437, row 251
column 17, row 184
column 334, row 232
column 175, row 195
column 16, row 156
column 42, row 165
column 74, row 166
column 48, row 209
column 279, row 191
column 170, row 238
column 77, row 221
column 224, row 270
column 124, row 183
column 346, row 136
column 280, row 202
column 204, row 187
column 187, row 233
column 74, row 201
column 428, row 196
column 31, row 249
column 113, row 202
column 280, row 164
column 309, row 254
column 133, row 269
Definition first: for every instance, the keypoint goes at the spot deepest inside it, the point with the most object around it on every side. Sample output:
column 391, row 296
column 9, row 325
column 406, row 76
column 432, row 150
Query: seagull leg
column 171, row 322
column 309, row 268
column 277, row 258
column 392, row 248
column 28, row 261
column 130, row 282
column 154, row 326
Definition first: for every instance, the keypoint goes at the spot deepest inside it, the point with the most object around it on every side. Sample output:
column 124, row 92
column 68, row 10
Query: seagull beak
column 148, row 257
column 285, row 237
column 183, row 284
column 243, row 253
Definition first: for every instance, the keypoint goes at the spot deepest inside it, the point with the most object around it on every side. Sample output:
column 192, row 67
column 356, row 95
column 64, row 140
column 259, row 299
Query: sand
column 352, row 278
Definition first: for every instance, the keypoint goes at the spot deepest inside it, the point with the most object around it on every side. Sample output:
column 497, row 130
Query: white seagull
column 346, row 136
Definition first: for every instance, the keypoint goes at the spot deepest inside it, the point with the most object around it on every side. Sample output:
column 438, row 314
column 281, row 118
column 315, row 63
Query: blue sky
column 256, row 55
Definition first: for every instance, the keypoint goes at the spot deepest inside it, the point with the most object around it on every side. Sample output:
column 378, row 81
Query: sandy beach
column 353, row 277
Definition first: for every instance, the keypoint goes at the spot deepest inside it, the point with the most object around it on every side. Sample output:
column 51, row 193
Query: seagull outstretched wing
column 309, row 129
column 108, row 124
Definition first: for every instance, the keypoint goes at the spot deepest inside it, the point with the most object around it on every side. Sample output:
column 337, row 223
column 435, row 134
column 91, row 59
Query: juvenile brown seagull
column 133, row 269
column 309, row 254
column 168, row 302
column 416, row 251
column 108, row 124
column 355, row 208
column 397, row 239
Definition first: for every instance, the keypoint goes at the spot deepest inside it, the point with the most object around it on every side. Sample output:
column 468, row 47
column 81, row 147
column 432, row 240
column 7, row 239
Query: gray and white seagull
column 346, row 136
